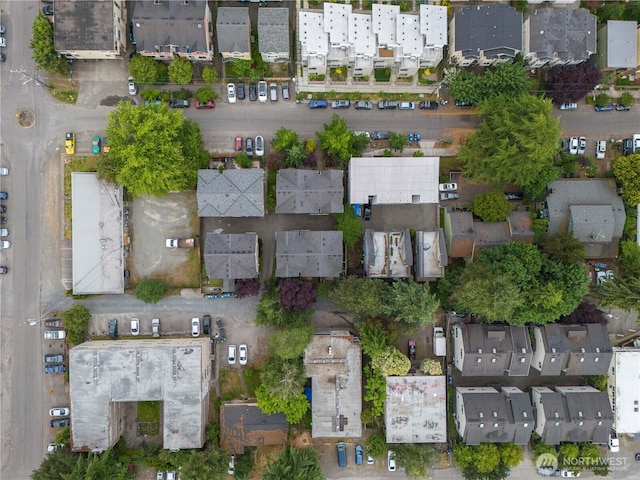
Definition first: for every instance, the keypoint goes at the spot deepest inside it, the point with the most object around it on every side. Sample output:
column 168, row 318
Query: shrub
column 210, row 75
column 150, row 291
column 243, row 160
column 76, row 320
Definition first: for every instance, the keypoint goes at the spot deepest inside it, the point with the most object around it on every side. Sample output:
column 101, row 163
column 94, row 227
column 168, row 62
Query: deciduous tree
column 284, row 139
column 375, row 390
column 204, row 94
column 44, row 52
column 414, row 458
column 507, row 79
column 391, row 362
column 349, row 225
column 147, row 70
column 210, row 75
column 76, row 321
column 295, row 464
column 621, row 292
column 290, row 343
column 376, row 445
column 361, row 296
column 563, row 248
column 584, row 313
column 297, row 294
column 180, row 71
column 150, row 291
column 491, row 206
column 397, row 141
column 571, row 83
column 373, row 338
column 630, row 258
column 431, row 367
column 626, row 171
column 602, row 99
column 626, row 99
column 412, row 303
column 337, row 140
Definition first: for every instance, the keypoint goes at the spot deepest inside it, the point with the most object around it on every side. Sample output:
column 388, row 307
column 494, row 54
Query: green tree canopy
column 373, row 338
column 626, row 99
column 621, row 292
column 55, row 465
column 208, row 464
column 180, row 71
column 210, row 75
column 76, row 321
column 517, row 142
column 147, row 70
column 412, row 303
column 154, row 150
column 431, row 367
column 337, row 140
column 626, row 171
column 376, row 445
column 508, row 79
column 291, row 342
column 204, row 94
column 361, row 296
column 414, row 458
column 391, row 362
column 44, row 52
column 349, row 225
column 284, row 139
column 602, row 99
column 491, row 206
column 563, row 248
column 397, row 141
column 630, row 258
column 150, row 291
column 295, row 464
column 282, row 389
column 375, row 391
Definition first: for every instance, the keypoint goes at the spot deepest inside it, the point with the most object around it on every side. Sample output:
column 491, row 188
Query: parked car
column 387, row 105
column 273, row 91
column 60, row 423
column 47, row 10
column 514, row 196
column 614, row 442
column 366, row 215
column 52, row 447
column 132, row 86
column 232, row 355
column 569, row 106
column 59, row 412
column 5, row 244
column 428, row 105
column 113, row 329
column 175, row 103
column 391, row 460
column 285, row 91
column 462, row 103
column 4, row 171
column 53, row 323
column 569, row 474
column 262, row 91
column 171, row 475
column 238, row 144
column 70, row 143
column 342, row 454
column 3, row 270
column 253, row 92
column 359, row 454
column 54, row 334
column 4, row 196
column 206, row 324
column 318, row 104
column 604, row 108
column 380, row 135
column 231, row 92
column 406, row 106
column 366, row 134
column 135, row 326
column 582, row 145
column 340, row 104
column 243, row 354
column 621, row 108
column 363, row 105
column 222, row 335
column 448, row 187
column 240, row 91
column 95, row 145
column 210, row 104
column 155, row 327
column 601, row 149
column 259, row 146
column 370, row 460
column 412, row 349
column 248, row 145
column 159, row 475
column 195, row 327
column 627, row 146
column 231, row 470
column 53, row 358
column 573, row 146
column 448, row 196
column 54, row 369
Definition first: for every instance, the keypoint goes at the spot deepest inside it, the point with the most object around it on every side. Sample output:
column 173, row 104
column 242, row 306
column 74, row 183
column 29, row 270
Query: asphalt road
column 33, row 288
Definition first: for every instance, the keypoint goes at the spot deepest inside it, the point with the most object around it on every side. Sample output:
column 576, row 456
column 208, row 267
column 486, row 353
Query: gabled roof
column 232, row 193
column 309, row 191
column 84, row 25
column 244, row 425
column 565, row 33
column 166, row 25
column 273, row 30
column 493, row 29
column 553, row 412
column 303, row 253
column 622, row 44
column 231, row 256
column 520, row 223
column 233, row 27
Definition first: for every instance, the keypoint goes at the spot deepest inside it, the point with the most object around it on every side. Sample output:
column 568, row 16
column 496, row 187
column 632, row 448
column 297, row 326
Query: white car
column 232, row 354
column 52, row 447
column 582, row 146
column 195, row 327
column 259, row 146
column 4, row 232
column 601, row 149
column 5, row 244
column 171, row 475
column 614, row 442
column 132, row 86
column 159, row 475
column 59, row 412
column 391, row 460
column 3, row 42
column 573, row 146
column 135, row 326
column 569, row 474
column 232, row 465
column 155, row 327
column 448, row 187
column 243, row 354
column 54, row 335
column 4, row 171
column 262, row 91
column 569, row 106
column 231, row 92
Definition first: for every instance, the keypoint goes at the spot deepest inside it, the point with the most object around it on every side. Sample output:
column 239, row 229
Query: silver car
column 582, row 145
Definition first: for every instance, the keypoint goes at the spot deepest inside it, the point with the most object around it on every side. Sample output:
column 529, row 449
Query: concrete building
column 315, row 192
column 167, row 29
column 618, row 42
column 314, row 42
column 242, row 425
column 387, row 254
column 430, row 256
column 232, row 193
column 363, row 44
column 333, row 360
column 624, row 390
column 273, row 34
column 416, row 409
column 393, row 180
column 98, row 235
column 90, row 30
column 106, row 375
column 231, row 256
column 233, row 27
column 305, row 253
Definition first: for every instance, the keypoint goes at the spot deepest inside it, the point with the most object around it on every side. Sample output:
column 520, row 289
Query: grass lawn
column 252, row 380
column 382, row 74
column 230, row 386
column 148, row 411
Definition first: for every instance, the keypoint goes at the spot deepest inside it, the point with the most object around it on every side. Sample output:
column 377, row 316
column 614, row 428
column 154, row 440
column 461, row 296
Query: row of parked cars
column 367, row 105
column 578, row 146
column 260, row 91
column 4, row 232
column 250, row 148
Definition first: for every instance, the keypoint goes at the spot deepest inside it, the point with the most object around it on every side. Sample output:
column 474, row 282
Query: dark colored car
column 60, row 422
column 4, row 270
column 412, row 349
column 379, row 135
column 367, row 212
column 210, row 104
column 604, row 108
column 428, row 105
column 285, row 91
column 47, row 9
column 222, row 335
column 387, row 105
column 514, row 196
column 53, row 358
column 54, row 369
column 462, row 103
column 248, row 146
column 253, row 92
column 3, row 209
column 178, row 103
column 240, row 91
column 132, row 37
column 206, row 324
column 363, row 105
column 627, row 146
column 4, row 195
column 113, row 329
column 53, row 323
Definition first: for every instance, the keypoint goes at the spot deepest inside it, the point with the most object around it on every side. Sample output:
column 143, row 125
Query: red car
column 412, row 349
column 209, row 104
column 238, row 144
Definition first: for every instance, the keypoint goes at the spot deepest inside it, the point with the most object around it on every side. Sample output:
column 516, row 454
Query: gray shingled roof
column 309, row 191
column 303, row 253
column 244, row 425
column 233, row 28
column 84, row 25
column 566, row 33
column 494, row 29
column 273, row 30
column 170, row 25
column 232, row 193
column 232, row 256
column 554, row 410
column 462, row 234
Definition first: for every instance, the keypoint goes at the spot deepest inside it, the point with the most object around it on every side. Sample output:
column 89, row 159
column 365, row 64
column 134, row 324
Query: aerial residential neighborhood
column 267, row 239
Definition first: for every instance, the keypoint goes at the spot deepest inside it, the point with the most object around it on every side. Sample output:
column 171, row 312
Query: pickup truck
column 180, row 243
